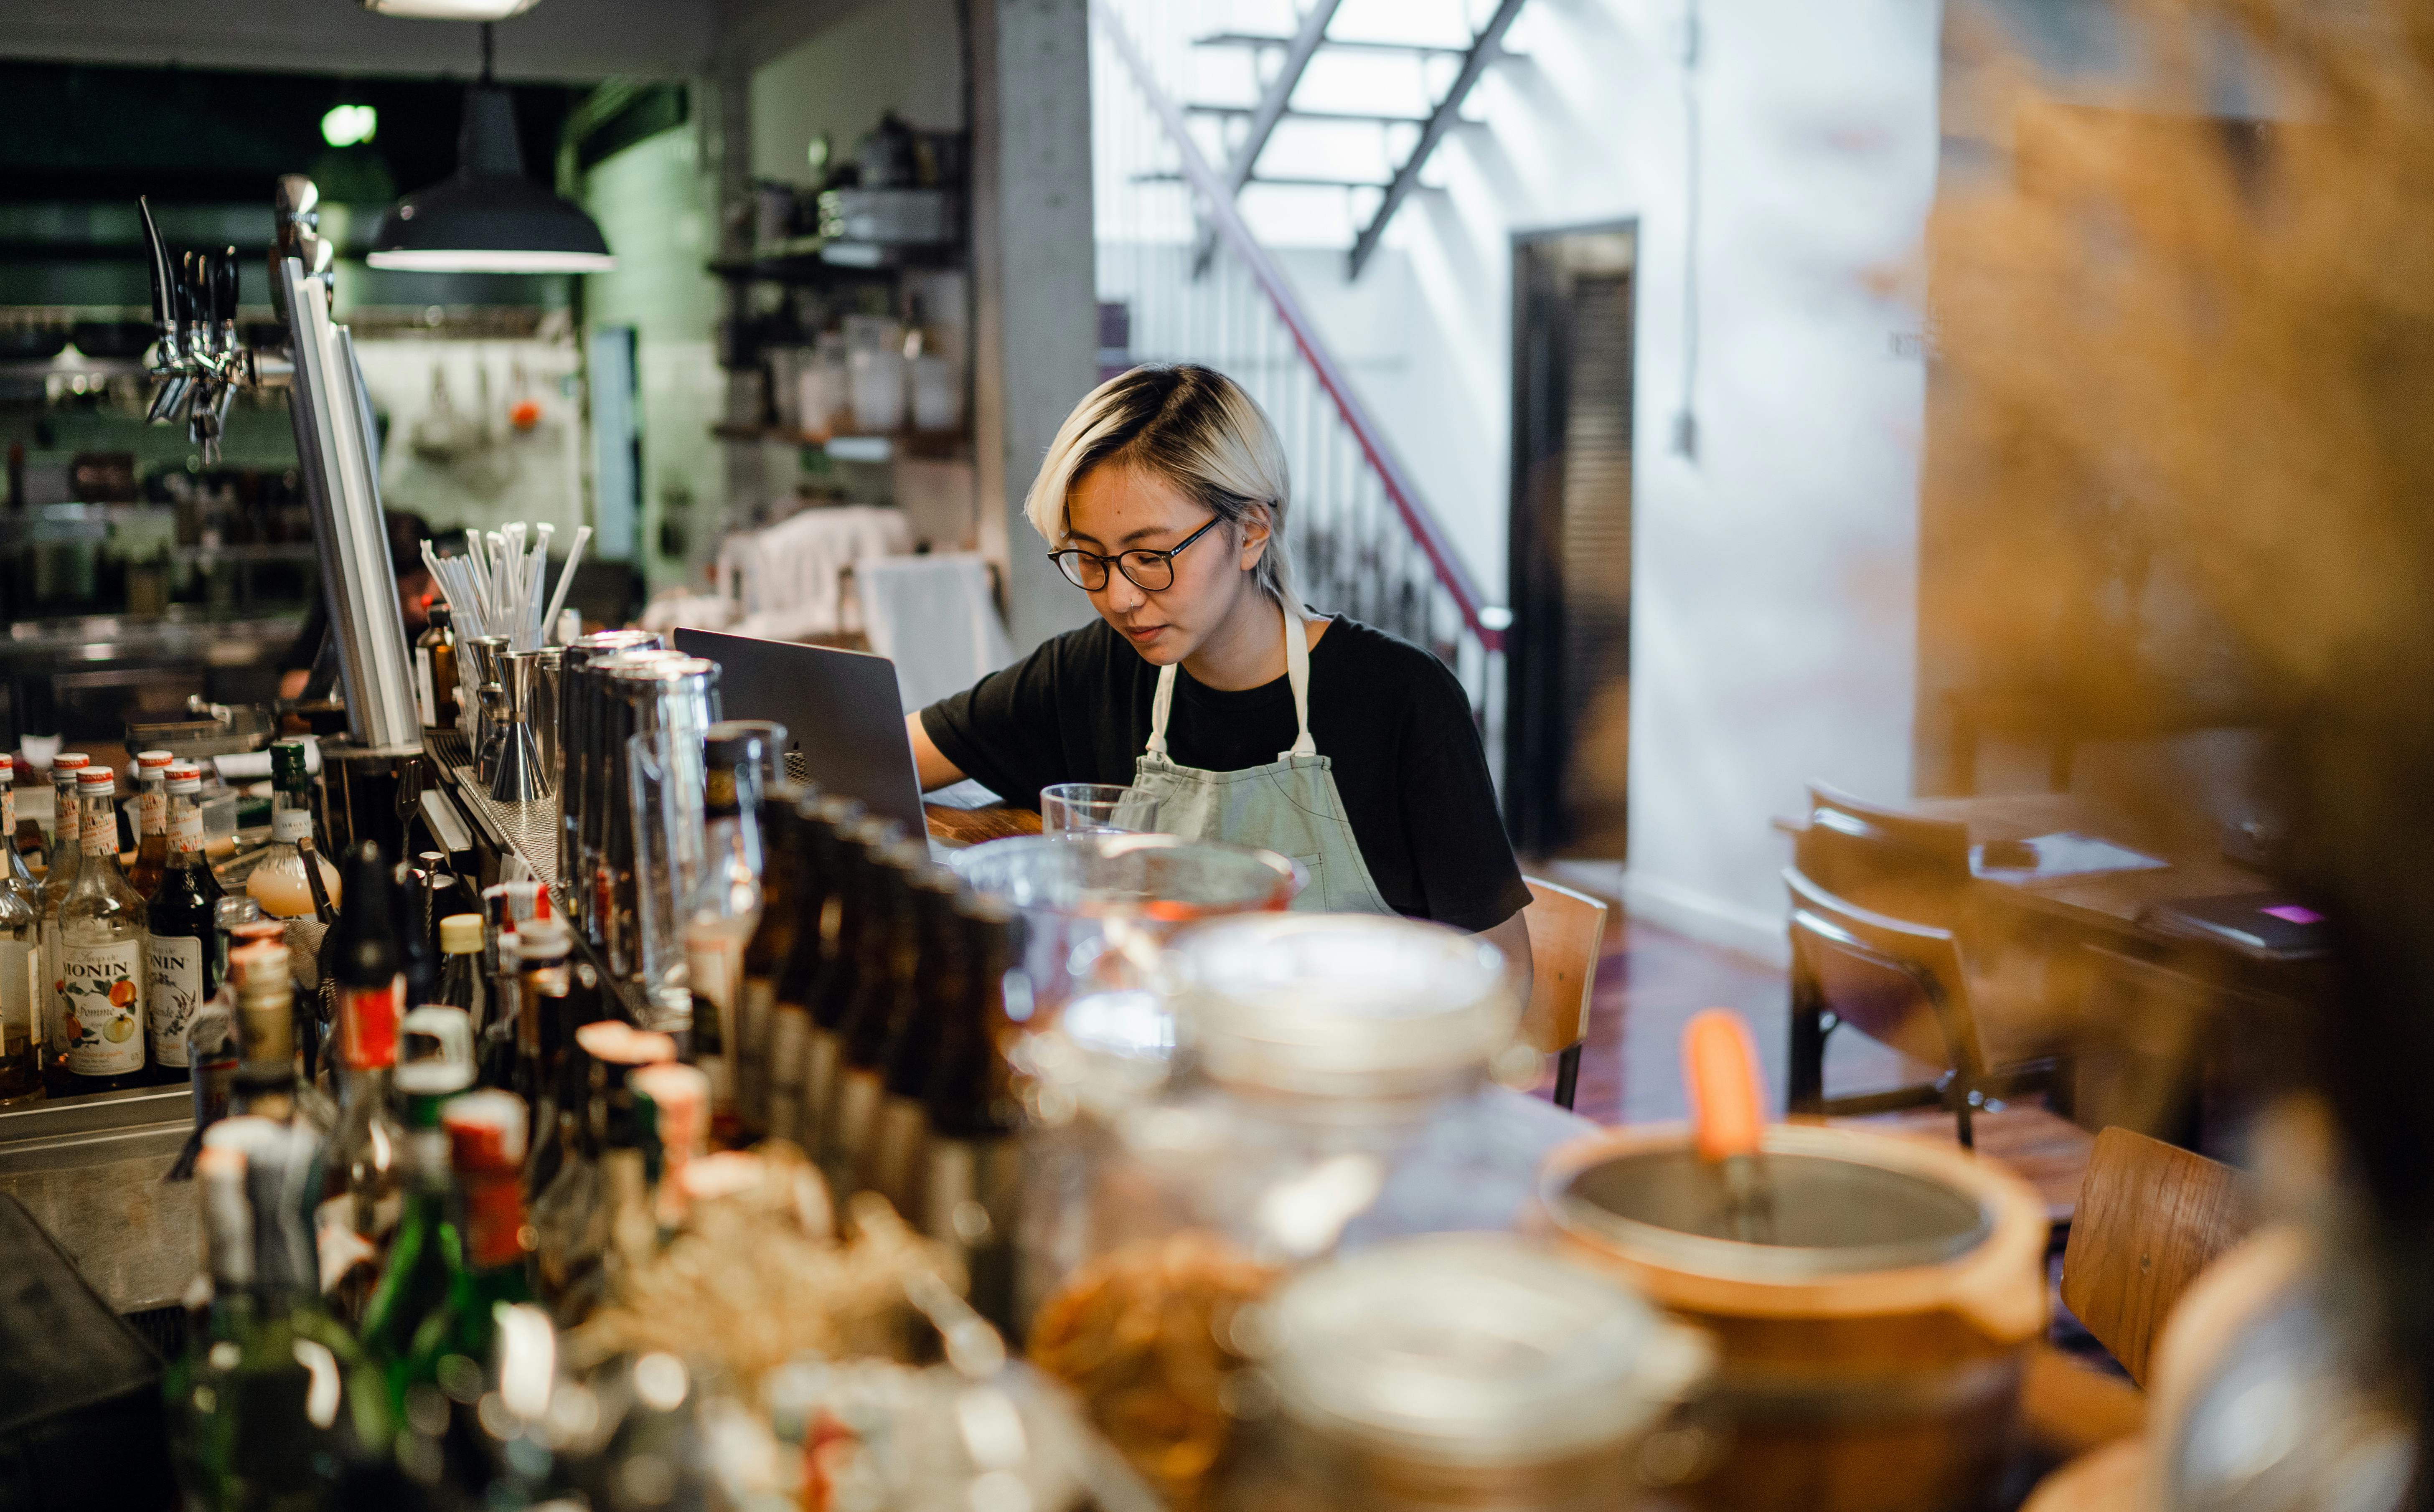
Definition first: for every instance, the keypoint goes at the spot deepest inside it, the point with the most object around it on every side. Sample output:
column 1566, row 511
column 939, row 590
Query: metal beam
column 1271, row 109
column 1483, row 51
column 1244, row 39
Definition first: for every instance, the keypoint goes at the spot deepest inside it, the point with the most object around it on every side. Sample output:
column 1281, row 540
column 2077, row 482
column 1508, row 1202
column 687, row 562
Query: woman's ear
column 1251, row 531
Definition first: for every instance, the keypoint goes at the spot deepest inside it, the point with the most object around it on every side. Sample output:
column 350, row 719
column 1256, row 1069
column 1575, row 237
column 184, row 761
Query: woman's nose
column 1123, row 594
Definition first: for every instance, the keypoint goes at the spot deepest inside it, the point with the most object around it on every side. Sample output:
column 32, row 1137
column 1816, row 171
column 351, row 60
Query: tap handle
column 164, row 292
column 192, row 298
column 224, row 293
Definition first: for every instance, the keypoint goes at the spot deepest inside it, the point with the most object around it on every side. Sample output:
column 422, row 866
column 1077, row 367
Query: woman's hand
column 935, row 770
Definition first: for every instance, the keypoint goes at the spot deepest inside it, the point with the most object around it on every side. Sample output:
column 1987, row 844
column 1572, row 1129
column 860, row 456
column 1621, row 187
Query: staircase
column 1223, row 128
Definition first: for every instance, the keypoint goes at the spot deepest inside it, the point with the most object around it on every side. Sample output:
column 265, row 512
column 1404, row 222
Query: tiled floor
column 1648, row 984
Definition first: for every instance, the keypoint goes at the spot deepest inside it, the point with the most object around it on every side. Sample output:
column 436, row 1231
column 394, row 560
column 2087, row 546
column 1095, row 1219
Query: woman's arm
column 1512, row 937
column 935, row 770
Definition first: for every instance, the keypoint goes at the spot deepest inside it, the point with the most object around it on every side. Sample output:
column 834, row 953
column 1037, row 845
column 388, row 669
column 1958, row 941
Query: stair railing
column 1365, row 540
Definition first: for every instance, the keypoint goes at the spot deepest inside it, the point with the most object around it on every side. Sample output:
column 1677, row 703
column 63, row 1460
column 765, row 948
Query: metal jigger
column 519, row 776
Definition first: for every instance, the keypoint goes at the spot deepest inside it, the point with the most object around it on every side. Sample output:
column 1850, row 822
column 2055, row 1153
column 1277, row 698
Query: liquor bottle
column 542, row 982
column 925, row 1000
column 360, row 1192
column 67, row 852
column 486, row 1140
column 680, row 1095
column 890, row 957
column 842, row 849
column 21, row 1031
column 282, row 882
column 293, row 1406
column 194, row 1383
column 772, row 942
column 435, row 670
column 265, row 1031
column 720, row 919
column 971, row 1171
column 184, row 953
column 29, row 856
column 416, row 1278
column 460, row 969
column 151, row 822
column 15, row 832
column 101, row 952
column 415, row 959
column 213, row 1055
column 600, row 1202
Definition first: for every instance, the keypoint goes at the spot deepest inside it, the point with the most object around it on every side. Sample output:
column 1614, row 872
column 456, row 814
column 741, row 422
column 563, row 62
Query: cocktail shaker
column 579, row 705
column 678, row 695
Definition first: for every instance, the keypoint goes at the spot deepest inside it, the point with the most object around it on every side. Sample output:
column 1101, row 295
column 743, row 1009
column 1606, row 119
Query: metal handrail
column 1227, row 221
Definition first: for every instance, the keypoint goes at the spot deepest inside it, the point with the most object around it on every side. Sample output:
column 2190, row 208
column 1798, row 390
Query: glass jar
column 1457, row 1370
column 1191, row 1147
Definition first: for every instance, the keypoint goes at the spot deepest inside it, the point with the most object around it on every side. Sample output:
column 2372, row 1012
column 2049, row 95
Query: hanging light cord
column 486, row 52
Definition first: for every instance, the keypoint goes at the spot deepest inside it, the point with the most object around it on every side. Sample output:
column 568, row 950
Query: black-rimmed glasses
column 1150, row 572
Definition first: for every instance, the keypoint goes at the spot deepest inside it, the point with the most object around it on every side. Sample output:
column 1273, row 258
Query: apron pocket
column 1314, row 892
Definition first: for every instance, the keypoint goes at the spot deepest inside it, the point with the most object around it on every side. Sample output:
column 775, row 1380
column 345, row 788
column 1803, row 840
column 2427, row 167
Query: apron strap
column 1296, row 674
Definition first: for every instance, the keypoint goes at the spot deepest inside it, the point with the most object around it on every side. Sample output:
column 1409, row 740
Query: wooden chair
column 1903, row 984
column 2151, row 1216
column 1567, row 934
column 1888, row 862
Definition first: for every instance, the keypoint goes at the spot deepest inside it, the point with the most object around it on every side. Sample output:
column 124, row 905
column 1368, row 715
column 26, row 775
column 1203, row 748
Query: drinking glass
column 1096, row 809
column 664, row 768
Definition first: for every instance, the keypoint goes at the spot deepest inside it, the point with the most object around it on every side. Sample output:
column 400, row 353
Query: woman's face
column 1118, row 509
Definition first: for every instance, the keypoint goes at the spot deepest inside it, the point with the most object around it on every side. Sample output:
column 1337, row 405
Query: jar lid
column 1474, row 1350
column 1338, row 1004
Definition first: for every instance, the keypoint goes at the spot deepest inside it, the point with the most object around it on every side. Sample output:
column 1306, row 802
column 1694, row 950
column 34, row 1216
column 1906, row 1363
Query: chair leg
column 1805, row 1081
column 1568, row 1075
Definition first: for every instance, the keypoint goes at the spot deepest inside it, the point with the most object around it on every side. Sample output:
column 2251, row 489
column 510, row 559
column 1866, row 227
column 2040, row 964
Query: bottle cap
column 8, row 764
column 287, row 764
column 538, row 939
column 185, row 778
column 154, row 758
column 258, row 965
column 257, row 932
column 460, row 934
column 95, row 782
column 70, row 761
column 485, row 1131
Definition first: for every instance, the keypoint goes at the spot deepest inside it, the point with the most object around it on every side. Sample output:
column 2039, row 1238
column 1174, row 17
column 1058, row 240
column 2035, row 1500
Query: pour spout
column 1727, row 1102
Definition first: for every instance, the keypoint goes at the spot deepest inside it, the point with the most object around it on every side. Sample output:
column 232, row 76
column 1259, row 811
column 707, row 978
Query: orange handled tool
column 1727, row 1101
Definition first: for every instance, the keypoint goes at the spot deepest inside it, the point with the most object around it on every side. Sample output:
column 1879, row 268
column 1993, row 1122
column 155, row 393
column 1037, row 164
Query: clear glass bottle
column 151, row 822
column 720, row 919
column 282, row 882
column 67, row 853
column 266, row 1081
column 102, row 953
column 181, row 922
column 21, row 1031
column 20, row 877
column 29, row 855
column 363, row 1186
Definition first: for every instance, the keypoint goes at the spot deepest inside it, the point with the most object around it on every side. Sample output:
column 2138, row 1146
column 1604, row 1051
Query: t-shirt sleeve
column 1464, row 861
column 1003, row 731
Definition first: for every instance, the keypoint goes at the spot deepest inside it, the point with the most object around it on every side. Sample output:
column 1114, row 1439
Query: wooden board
column 975, row 826
column 2151, row 1216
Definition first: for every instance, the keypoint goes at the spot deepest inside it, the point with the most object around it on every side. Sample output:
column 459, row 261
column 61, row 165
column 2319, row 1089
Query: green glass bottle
column 486, row 1140
column 435, row 1063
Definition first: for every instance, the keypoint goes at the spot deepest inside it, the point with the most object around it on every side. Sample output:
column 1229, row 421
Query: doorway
column 1568, row 660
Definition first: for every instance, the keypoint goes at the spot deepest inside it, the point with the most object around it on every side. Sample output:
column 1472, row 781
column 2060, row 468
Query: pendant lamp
column 488, row 218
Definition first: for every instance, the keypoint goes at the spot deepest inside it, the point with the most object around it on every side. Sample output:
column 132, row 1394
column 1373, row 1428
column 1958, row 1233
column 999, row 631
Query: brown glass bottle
column 766, row 953
column 922, row 1003
column 969, row 1180
column 852, row 875
column 888, row 954
column 151, row 822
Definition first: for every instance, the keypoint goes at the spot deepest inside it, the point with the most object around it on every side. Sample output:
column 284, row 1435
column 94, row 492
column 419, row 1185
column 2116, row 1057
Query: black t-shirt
column 1391, row 720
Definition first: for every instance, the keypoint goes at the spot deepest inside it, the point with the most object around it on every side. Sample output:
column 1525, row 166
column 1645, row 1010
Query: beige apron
column 1290, row 806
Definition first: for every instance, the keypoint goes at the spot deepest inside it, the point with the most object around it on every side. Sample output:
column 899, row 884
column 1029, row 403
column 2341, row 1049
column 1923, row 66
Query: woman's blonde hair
column 1192, row 427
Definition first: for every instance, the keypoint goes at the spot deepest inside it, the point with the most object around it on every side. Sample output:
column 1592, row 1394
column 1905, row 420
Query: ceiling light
column 343, row 125
column 488, row 218
column 452, row 9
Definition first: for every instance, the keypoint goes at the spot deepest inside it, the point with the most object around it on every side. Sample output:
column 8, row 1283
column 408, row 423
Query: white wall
column 1774, row 573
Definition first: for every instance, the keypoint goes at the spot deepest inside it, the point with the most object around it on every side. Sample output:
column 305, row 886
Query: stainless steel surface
column 581, row 719
column 335, row 457
column 1834, row 1211
column 650, row 693
column 542, row 710
column 88, row 1170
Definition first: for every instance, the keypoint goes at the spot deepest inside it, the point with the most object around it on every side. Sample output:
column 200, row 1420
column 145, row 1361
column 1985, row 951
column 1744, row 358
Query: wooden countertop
column 959, row 827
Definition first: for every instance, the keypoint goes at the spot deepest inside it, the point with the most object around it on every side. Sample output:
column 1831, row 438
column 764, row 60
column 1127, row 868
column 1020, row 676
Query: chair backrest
column 2151, row 1216
column 1888, row 862
column 1892, row 980
column 1566, row 936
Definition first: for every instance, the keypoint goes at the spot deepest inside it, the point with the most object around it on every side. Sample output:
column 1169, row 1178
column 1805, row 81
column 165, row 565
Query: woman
column 1205, row 682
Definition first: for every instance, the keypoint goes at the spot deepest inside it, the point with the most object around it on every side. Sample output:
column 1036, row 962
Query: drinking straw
column 566, row 575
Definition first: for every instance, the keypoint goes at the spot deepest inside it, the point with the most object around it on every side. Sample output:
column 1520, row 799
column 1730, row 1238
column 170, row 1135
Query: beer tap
column 197, row 361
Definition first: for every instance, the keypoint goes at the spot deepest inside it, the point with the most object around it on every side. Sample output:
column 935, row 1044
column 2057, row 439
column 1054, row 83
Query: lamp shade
column 489, row 217
column 451, row 10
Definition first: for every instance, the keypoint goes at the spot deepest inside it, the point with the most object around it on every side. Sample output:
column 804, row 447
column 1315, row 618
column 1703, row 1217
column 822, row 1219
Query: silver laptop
column 844, row 716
